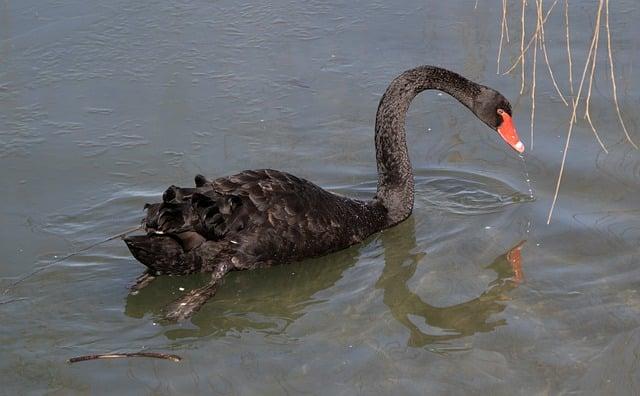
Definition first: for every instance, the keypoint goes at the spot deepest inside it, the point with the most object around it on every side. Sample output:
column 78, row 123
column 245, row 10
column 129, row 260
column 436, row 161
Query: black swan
column 259, row 218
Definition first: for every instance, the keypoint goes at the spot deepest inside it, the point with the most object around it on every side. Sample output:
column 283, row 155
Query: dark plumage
column 259, row 218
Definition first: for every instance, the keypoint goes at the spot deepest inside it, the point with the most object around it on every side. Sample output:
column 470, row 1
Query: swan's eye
column 500, row 111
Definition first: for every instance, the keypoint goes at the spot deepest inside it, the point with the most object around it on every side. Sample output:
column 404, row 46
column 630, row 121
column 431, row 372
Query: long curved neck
column 395, row 176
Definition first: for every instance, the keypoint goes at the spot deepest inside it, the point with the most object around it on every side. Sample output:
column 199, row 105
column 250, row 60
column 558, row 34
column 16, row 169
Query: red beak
column 508, row 132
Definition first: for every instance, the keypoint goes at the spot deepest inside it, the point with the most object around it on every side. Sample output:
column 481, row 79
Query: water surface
column 104, row 105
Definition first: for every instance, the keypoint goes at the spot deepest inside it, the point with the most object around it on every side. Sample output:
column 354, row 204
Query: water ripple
column 466, row 193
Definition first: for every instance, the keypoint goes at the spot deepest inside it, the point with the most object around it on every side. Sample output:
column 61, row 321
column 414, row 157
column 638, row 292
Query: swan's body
column 260, row 218
column 256, row 218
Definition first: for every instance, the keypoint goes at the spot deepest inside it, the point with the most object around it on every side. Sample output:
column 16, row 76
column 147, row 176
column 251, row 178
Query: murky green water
column 104, row 105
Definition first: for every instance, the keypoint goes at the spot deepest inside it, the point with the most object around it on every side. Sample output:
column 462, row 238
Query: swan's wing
column 270, row 216
column 285, row 218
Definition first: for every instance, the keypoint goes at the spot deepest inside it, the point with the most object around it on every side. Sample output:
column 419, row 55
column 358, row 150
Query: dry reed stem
column 524, row 4
column 506, row 21
column 613, row 77
column 566, row 22
column 526, row 48
column 502, row 29
column 590, row 58
column 533, row 69
column 596, row 38
column 595, row 132
column 587, row 114
column 538, row 39
column 546, row 57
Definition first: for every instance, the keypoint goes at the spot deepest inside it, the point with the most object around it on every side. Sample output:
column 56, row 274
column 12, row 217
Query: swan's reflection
column 266, row 300
column 456, row 321
column 270, row 300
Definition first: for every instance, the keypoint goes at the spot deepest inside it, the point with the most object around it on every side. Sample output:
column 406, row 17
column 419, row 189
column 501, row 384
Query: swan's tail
column 185, row 220
column 160, row 253
column 166, row 255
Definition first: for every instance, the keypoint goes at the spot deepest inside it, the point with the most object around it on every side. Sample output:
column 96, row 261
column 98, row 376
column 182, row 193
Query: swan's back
column 254, row 218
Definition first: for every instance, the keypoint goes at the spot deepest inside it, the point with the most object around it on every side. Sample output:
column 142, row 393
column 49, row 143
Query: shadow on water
column 451, row 322
column 269, row 300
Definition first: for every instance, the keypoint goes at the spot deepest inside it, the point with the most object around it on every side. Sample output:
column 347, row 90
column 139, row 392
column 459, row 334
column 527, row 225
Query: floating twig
column 155, row 355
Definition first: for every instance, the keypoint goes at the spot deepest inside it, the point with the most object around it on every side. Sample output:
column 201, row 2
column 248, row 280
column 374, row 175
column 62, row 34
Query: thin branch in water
column 155, row 355
column 613, row 77
column 68, row 256
column 525, row 49
column 590, row 58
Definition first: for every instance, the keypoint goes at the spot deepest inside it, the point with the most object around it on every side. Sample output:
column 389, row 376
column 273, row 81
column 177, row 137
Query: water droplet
column 526, row 176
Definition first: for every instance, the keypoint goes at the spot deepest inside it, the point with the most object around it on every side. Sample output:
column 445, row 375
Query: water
column 103, row 106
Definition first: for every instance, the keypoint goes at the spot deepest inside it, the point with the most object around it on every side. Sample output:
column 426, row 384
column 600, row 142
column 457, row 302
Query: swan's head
column 494, row 109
